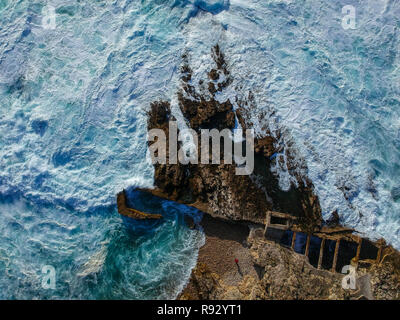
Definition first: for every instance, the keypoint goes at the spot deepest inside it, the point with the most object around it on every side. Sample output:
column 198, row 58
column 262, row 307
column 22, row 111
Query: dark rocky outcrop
column 216, row 189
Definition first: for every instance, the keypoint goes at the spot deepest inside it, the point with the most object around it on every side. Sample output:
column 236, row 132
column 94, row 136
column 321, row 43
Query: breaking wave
column 73, row 126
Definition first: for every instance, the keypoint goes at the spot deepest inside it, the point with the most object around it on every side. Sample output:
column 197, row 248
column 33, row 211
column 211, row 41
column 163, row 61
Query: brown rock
column 213, row 75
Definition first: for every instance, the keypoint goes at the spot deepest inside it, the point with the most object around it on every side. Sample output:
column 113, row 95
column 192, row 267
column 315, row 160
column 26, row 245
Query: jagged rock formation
column 216, row 189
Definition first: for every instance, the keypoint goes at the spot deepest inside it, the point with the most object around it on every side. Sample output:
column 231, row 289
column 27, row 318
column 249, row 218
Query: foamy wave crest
column 73, row 121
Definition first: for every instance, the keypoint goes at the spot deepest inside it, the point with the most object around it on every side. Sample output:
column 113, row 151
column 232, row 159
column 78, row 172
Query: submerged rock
column 212, row 6
column 124, row 210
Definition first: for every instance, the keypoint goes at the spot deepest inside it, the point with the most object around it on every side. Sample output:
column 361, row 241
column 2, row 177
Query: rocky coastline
column 242, row 258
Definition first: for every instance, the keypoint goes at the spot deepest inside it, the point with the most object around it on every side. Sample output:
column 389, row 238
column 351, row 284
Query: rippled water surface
column 73, row 104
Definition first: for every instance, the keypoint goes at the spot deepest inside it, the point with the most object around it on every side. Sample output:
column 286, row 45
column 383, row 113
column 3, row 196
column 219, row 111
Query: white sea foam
column 73, row 134
column 73, row 104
